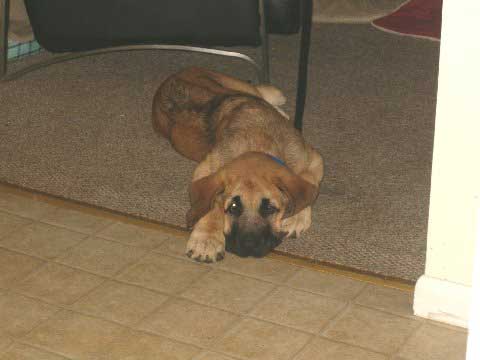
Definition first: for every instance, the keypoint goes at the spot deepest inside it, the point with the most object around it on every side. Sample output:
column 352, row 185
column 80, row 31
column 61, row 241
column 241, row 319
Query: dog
column 256, row 177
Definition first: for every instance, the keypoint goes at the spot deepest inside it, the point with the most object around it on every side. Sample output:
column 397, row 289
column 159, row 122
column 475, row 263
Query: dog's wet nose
column 256, row 244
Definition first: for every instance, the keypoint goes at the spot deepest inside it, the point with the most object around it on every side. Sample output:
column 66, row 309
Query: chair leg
column 4, row 18
column 264, row 44
column 69, row 56
column 307, row 10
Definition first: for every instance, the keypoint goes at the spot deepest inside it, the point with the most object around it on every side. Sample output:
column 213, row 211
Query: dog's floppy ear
column 202, row 196
column 299, row 192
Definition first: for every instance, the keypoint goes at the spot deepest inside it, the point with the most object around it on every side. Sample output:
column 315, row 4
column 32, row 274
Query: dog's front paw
column 297, row 223
column 206, row 247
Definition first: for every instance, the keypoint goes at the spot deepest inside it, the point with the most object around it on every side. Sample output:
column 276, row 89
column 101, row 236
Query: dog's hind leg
column 273, row 96
column 313, row 174
column 298, row 223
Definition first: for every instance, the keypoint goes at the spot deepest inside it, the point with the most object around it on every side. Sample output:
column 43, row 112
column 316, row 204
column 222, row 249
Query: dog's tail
column 271, row 94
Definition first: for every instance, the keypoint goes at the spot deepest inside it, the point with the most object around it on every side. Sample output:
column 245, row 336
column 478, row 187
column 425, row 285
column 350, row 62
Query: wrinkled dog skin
column 256, row 177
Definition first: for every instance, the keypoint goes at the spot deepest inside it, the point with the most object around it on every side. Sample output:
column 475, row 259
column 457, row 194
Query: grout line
column 352, row 345
column 40, row 323
column 333, row 321
column 34, row 346
column 170, row 299
column 116, row 273
column 4, row 235
column 23, row 216
column 248, row 313
column 383, row 311
column 153, row 249
column 29, row 274
column 252, row 277
column 11, row 213
column 362, row 290
column 52, row 259
column 407, row 339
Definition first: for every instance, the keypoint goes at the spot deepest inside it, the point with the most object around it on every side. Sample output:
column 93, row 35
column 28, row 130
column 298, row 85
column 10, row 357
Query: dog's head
column 256, row 194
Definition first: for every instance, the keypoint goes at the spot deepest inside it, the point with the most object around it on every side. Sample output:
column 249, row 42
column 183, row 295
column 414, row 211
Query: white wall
column 455, row 191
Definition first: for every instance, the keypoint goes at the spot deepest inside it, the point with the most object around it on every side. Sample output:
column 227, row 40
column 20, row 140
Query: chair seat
column 72, row 25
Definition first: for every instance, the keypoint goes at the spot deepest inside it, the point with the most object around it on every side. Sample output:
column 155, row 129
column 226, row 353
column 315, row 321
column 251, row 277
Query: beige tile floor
column 76, row 283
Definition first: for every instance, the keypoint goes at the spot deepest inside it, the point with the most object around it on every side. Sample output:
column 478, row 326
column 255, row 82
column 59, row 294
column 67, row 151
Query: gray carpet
column 81, row 130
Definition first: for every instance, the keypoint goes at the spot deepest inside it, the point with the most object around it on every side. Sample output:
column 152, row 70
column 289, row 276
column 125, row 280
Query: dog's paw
column 206, row 248
column 298, row 223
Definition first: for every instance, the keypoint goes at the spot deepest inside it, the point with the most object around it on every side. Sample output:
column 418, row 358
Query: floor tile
column 122, row 303
column 228, row 291
column 74, row 335
column 76, row 220
column 137, row 345
column 10, row 223
column 42, row 240
column 103, row 257
column 212, row 356
column 134, row 235
column 257, row 340
column 371, row 329
column 188, row 322
column 326, row 284
column 174, row 245
column 58, row 284
column 264, row 268
column 163, row 273
column 435, row 343
column 322, row 349
column 24, row 206
column 298, row 309
column 387, row 299
column 25, row 352
column 19, row 314
column 14, row 267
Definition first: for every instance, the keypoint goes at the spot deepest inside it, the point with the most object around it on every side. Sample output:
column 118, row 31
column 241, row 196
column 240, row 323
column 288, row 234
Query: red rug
column 419, row 18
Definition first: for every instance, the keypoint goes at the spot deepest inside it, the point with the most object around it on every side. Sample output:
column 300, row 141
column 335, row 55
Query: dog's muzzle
column 256, row 243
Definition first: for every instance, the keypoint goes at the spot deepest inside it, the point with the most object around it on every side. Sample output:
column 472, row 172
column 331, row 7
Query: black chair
column 71, row 29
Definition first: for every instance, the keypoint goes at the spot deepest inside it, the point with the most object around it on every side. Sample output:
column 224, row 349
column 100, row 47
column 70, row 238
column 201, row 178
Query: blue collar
column 277, row 160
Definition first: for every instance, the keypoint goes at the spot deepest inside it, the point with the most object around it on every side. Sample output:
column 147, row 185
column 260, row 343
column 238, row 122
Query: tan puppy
column 256, row 176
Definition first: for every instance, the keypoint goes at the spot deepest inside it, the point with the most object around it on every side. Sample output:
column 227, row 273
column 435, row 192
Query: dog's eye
column 267, row 208
column 235, row 208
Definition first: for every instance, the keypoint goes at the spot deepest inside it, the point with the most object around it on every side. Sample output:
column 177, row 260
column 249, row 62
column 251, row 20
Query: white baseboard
column 442, row 300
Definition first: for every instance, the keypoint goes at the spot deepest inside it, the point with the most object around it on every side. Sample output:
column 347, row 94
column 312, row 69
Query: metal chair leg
column 302, row 78
column 69, row 56
column 4, row 19
column 264, row 44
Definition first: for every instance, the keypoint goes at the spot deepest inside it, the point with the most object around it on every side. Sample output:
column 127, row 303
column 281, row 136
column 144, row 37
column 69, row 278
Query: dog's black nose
column 256, row 244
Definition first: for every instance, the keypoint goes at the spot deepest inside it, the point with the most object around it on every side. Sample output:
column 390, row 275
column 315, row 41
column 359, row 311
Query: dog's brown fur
column 232, row 128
